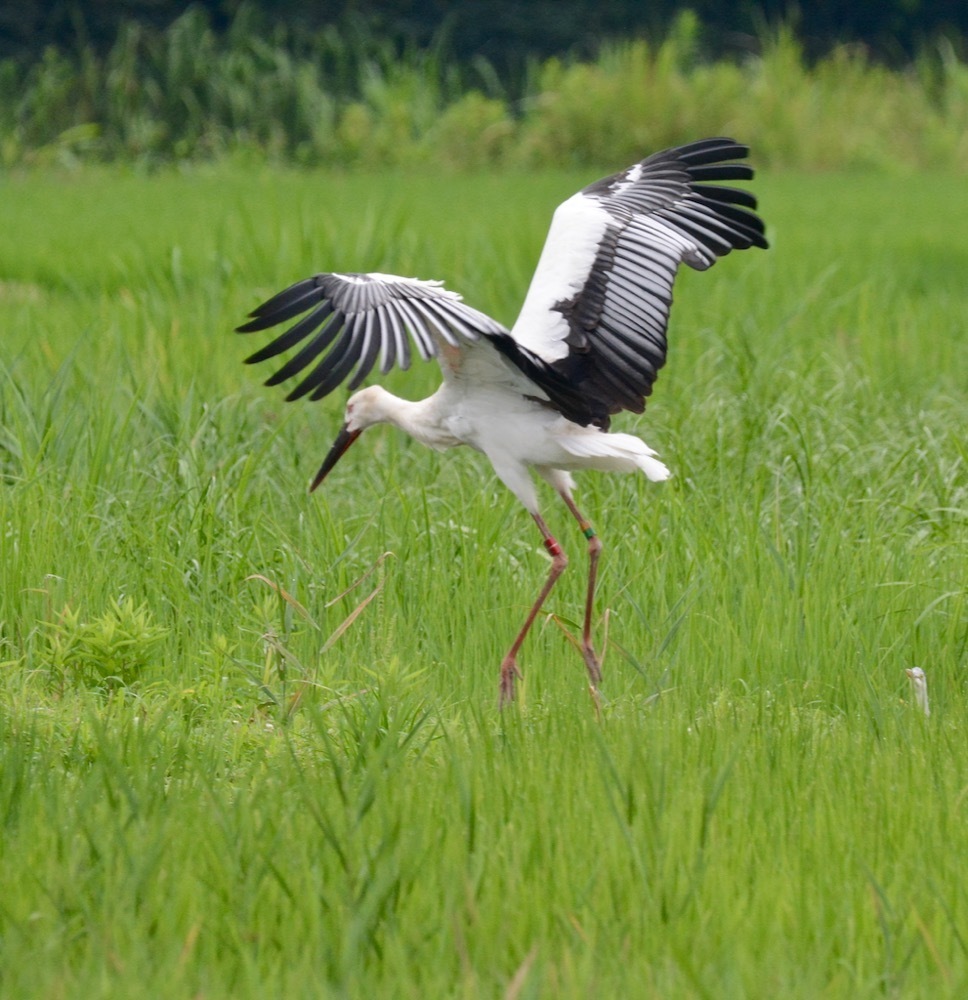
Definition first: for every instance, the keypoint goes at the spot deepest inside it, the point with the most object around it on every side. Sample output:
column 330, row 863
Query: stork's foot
column 593, row 664
column 509, row 671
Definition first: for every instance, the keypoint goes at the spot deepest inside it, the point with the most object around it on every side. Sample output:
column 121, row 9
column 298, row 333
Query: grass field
column 250, row 738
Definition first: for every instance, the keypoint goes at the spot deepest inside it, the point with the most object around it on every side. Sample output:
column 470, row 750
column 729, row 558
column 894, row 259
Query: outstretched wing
column 354, row 318
column 595, row 315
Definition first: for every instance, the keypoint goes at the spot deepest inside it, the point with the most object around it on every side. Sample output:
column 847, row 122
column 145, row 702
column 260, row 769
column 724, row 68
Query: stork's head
column 363, row 409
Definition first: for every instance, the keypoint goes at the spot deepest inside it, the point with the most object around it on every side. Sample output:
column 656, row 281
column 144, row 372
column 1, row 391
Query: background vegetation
column 350, row 95
column 505, row 32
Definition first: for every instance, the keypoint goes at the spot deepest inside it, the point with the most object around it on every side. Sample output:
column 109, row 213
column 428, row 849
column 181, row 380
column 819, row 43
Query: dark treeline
column 402, row 85
column 506, row 33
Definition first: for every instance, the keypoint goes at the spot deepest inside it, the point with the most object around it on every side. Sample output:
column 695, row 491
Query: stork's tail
column 616, row 453
column 656, row 471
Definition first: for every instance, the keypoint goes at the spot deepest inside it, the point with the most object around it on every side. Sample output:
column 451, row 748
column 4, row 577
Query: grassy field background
column 250, row 738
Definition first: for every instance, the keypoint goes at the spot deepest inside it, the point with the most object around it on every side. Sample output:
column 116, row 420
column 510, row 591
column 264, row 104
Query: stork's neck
column 422, row 419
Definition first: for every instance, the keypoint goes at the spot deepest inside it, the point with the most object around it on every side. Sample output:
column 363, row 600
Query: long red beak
column 340, row 446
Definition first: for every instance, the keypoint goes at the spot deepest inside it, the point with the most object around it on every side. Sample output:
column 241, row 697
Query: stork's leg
column 509, row 665
column 592, row 661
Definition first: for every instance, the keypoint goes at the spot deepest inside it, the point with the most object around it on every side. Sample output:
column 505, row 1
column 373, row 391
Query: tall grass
column 351, row 99
column 293, row 779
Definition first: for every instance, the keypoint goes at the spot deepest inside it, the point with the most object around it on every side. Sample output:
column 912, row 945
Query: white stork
column 589, row 341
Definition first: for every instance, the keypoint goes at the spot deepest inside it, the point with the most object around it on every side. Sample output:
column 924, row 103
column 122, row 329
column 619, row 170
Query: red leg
column 592, row 661
column 509, row 665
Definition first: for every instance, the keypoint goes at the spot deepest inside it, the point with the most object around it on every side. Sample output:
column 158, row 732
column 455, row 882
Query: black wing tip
column 717, row 149
column 714, row 159
column 255, row 324
column 289, row 293
column 295, row 299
